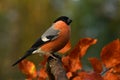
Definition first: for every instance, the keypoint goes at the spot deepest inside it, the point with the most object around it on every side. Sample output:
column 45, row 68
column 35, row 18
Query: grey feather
column 50, row 32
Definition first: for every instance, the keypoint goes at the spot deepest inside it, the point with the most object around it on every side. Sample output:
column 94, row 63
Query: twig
column 106, row 70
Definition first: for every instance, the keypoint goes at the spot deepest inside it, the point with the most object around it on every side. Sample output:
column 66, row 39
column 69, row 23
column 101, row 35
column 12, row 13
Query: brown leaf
column 69, row 74
column 72, row 61
column 77, row 78
column 96, row 64
column 116, row 69
column 110, row 75
column 96, row 76
column 70, row 64
column 28, row 68
column 82, row 76
column 110, row 54
column 42, row 75
column 88, row 76
column 84, row 44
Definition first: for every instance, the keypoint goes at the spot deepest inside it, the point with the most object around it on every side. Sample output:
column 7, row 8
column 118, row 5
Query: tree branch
column 55, row 68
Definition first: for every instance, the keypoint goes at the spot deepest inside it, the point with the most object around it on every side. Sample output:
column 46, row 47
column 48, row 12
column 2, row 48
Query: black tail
column 28, row 53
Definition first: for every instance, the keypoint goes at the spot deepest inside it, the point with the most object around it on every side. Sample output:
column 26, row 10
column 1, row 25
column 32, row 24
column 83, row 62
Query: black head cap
column 64, row 18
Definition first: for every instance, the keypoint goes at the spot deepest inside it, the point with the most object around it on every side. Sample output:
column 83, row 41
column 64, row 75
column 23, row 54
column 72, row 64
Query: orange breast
column 62, row 39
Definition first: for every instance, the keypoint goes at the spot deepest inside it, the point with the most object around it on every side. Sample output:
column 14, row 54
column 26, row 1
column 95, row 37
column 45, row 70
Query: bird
column 52, row 40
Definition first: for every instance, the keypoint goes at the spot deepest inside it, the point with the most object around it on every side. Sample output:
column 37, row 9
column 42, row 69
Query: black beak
column 69, row 21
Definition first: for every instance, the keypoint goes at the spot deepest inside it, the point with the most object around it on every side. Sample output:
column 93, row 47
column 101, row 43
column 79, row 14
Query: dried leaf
column 28, row 68
column 69, row 74
column 77, row 78
column 82, row 76
column 42, row 75
column 72, row 62
column 116, row 69
column 110, row 54
column 111, row 76
column 88, row 76
column 96, row 76
column 84, row 44
column 96, row 64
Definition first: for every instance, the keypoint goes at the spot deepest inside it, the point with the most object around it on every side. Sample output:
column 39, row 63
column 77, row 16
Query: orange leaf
column 84, row 44
column 77, row 78
column 69, row 74
column 110, row 75
column 72, row 62
column 42, row 74
column 116, row 69
column 66, row 48
column 88, row 76
column 82, row 76
column 96, row 64
column 96, row 76
column 28, row 68
column 110, row 54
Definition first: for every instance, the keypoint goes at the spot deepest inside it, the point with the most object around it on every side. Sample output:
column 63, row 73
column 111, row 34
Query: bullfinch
column 52, row 40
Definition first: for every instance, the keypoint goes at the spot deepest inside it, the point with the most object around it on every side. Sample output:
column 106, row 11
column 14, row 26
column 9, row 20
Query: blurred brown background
column 23, row 21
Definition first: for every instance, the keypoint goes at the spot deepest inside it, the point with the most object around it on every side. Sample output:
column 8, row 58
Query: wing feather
column 49, row 35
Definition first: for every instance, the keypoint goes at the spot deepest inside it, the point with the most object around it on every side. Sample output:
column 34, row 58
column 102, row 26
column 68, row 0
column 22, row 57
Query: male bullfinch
column 53, row 40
